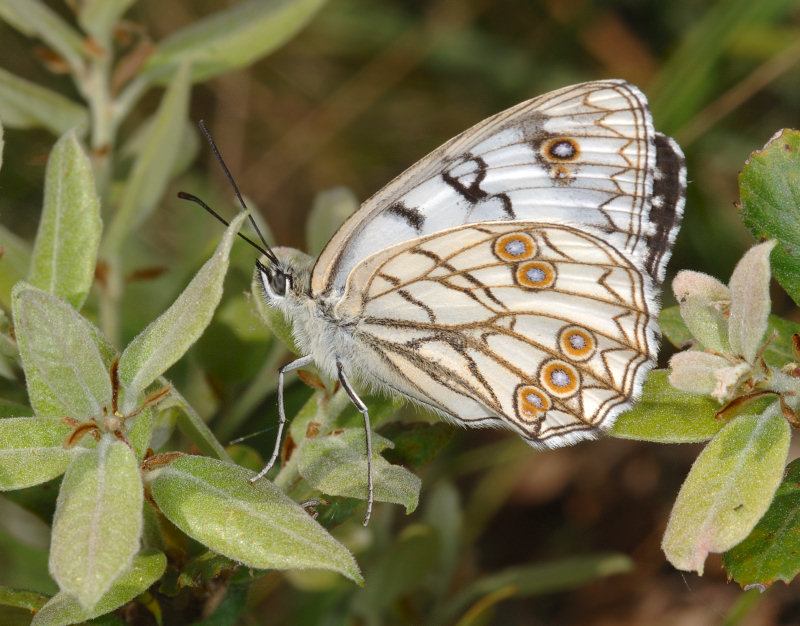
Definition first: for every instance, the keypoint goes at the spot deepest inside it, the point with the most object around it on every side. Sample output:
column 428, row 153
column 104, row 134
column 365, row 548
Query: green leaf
column 98, row 521
column 329, row 211
column 145, row 570
column 231, row 38
column 667, row 415
column 770, row 551
column 63, row 366
column 769, row 188
column 337, row 466
column 37, row 19
column 193, row 426
column 778, row 352
column 167, row 338
column 14, row 263
column 729, row 487
column 148, row 180
column 98, row 17
column 24, row 104
column 416, row 443
column 750, row 302
column 532, row 580
column 258, row 525
column 65, row 251
column 31, row 451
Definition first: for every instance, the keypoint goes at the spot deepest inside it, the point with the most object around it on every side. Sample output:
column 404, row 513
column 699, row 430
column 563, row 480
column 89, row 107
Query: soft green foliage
column 31, row 451
column 24, row 104
column 770, row 203
column 166, row 339
column 337, row 465
column 720, row 503
column 232, row 39
column 668, row 415
column 770, row 552
column 145, row 570
column 257, row 525
column 98, row 521
column 65, row 250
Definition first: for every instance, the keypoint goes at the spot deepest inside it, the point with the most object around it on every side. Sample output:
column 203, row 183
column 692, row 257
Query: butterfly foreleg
column 362, row 408
column 289, row 367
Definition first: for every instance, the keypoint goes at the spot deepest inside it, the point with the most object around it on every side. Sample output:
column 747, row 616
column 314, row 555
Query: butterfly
column 510, row 278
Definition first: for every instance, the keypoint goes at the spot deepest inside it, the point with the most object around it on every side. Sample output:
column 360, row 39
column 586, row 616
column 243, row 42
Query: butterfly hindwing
column 544, row 328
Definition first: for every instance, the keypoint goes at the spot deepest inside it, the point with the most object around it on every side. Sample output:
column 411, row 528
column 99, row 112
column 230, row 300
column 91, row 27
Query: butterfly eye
column 278, row 282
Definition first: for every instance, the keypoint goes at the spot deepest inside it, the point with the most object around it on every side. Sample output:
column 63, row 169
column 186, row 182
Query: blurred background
column 364, row 91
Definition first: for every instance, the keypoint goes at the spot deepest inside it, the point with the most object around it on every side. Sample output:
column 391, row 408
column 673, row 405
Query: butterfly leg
column 289, row 367
column 362, row 408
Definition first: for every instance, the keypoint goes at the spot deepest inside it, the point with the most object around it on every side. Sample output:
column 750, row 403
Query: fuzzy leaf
column 62, row 608
column 770, row 552
column 37, row 19
column 98, row 521
column 167, row 338
column 258, row 525
column 706, row 323
column 769, row 188
column 98, row 17
column 690, row 283
column 667, row 415
column 694, row 371
column 728, row 489
column 24, row 104
column 750, row 303
column 14, row 263
column 231, row 38
column 147, row 181
column 337, row 466
column 63, row 366
column 31, row 451
column 65, row 251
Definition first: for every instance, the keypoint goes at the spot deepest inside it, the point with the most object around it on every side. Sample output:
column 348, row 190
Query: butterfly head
column 286, row 278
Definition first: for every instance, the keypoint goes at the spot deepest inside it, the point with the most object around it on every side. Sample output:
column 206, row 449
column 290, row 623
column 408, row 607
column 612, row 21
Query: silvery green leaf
column 31, row 451
column 36, row 19
column 728, row 489
column 694, row 371
column 187, row 150
column 231, row 38
column 691, row 283
column 750, row 303
column 63, row 366
column 258, row 525
column 98, row 521
column 706, row 323
column 14, row 263
column 98, row 17
column 167, row 338
column 336, row 464
column 24, row 104
column 148, row 179
column 65, row 251
column 64, row 609
column 329, row 211
column 193, row 426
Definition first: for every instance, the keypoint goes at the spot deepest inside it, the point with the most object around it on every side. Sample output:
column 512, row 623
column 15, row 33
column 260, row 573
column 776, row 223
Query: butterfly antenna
column 192, row 198
column 266, row 249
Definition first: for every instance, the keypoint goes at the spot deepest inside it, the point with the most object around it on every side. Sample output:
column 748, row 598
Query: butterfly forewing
column 488, row 324
column 583, row 155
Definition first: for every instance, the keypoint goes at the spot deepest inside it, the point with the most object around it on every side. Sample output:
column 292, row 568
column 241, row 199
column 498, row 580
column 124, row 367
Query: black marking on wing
column 666, row 203
column 411, row 215
column 473, row 192
column 409, row 298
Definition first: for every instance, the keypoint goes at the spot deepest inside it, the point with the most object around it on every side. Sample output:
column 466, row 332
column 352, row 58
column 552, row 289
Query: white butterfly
column 510, row 278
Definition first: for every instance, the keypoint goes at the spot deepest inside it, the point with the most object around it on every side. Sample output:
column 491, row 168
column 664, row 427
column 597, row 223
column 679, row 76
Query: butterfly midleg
column 367, row 431
column 289, row 367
